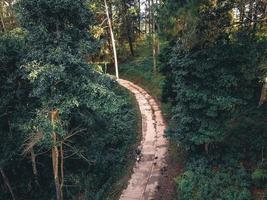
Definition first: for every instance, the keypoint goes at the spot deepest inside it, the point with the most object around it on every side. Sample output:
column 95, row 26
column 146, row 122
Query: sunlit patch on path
column 144, row 181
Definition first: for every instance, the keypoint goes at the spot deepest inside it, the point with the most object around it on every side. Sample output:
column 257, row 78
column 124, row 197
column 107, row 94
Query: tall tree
column 59, row 39
column 196, row 52
column 112, row 40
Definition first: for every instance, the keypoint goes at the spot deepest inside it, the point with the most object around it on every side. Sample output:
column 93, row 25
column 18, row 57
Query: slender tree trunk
column 128, row 23
column 146, row 18
column 6, row 181
column 12, row 18
column 55, row 156
column 3, row 23
column 154, row 42
column 34, row 167
column 149, row 16
column 139, row 5
column 158, row 45
column 158, row 28
column 154, row 51
column 55, row 160
column 130, row 41
column 112, row 40
column 263, row 97
column 2, row 17
column 62, row 168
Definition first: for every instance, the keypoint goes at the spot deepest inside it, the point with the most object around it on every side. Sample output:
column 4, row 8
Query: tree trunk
column 112, row 40
column 263, row 97
column 149, row 16
column 140, row 28
column 158, row 28
column 129, row 30
column 55, row 156
column 62, row 168
column 34, row 167
column 2, row 17
column 6, row 181
column 146, row 28
column 154, row 51
column 154, row 42
column 130, row 41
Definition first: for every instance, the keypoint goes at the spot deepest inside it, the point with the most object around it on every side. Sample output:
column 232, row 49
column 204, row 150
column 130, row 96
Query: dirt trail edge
column 144, row 181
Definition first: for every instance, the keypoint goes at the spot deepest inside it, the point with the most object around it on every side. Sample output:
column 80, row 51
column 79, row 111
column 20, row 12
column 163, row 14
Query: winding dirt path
column 147, row 172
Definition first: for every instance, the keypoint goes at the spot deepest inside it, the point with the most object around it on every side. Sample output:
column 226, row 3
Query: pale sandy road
column 144, row 181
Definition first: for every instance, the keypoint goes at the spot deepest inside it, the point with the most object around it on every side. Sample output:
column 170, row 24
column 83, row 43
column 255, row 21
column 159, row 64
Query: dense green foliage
column 14, row 96
column 214, row 67
column 211, row 70
column 43, row 69
column 201, row 181
column 211, row 92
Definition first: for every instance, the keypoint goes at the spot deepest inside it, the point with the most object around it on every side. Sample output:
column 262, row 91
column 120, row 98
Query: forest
column 70, row 129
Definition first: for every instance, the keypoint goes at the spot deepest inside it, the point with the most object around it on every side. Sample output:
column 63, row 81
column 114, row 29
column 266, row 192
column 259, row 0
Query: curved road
column 144, row 181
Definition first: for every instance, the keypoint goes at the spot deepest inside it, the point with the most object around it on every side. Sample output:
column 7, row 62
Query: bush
column 259, row 176
column 213, row 183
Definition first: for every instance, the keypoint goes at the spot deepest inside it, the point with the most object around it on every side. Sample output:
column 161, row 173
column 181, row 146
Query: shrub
column 213, row 183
